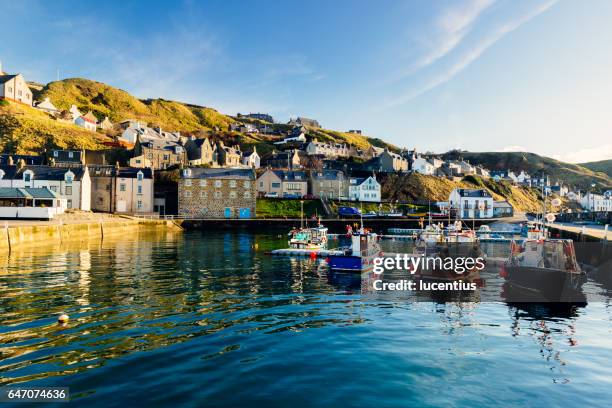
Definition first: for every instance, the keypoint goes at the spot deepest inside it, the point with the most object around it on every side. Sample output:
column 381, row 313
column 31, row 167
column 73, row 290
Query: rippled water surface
column 208, row 319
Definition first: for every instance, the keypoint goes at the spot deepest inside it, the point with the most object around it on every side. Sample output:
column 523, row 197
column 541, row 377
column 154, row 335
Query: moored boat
column 359, row 257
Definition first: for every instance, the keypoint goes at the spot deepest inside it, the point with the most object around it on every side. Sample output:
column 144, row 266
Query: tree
column 9, row 129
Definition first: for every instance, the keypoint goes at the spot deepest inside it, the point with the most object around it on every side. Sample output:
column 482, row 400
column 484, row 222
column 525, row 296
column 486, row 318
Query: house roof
column 221, row 173
column 123, row 172
column 64, row 156
column 502, row 204
column 298, row 176
column 327, row 175
column 6, row 78
column 28, row 159
column 467, row 192
column 42, row 172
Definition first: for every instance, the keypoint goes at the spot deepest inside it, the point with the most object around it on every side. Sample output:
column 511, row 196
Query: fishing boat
column 308, row 238
column 546, row 265
column 359, row 256
column 432, row 234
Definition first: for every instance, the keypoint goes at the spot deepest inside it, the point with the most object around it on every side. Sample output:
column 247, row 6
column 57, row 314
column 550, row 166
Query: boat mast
column 301, row 214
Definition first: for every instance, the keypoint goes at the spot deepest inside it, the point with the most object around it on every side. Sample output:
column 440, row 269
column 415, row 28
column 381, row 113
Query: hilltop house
column 121, row 189
column 72, row 184
column 106, row 124
column 596, row 202
column 331, row 184
column 330, row 150
column 364, row 189
column 304, row 121
column 228, row 156
column 66, row 158
column 47, row 106
column 87, row 121
column 251, row 159
column 387, row 162
column 471, row 203
column 288, row 159
column 217, row 193
column 200, row 152
column 283, row 183
column 297, row 134
column 424, row 166
column 261, row 116
column 15, row 88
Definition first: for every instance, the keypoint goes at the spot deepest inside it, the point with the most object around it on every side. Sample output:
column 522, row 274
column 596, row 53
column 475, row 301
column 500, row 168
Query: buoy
column 313, row 255
column 63, row 318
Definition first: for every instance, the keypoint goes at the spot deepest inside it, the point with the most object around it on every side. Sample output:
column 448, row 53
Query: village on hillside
column 149, row 170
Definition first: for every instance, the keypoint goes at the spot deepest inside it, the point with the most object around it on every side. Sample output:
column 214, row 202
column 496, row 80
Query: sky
column 479, row 75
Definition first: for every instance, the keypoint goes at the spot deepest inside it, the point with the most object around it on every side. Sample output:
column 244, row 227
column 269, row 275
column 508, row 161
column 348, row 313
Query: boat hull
column 349, row 263
column 553, row 284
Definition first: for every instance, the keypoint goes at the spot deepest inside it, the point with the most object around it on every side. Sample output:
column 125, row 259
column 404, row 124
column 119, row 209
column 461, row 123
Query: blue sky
column 480, row 75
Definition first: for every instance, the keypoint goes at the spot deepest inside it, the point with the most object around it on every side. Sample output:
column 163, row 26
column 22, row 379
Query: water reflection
column 221, row 296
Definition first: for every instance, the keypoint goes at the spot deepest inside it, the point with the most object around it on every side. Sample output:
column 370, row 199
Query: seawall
column 14, row 237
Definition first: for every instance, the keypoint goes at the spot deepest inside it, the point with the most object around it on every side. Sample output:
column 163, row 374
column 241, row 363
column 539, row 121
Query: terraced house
column 217, row 193
column 282, row 183
column 72, row 184
column 121, row 189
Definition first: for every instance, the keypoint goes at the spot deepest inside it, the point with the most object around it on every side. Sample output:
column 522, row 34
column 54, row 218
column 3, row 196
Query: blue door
column 228, row 212
column 245, row 213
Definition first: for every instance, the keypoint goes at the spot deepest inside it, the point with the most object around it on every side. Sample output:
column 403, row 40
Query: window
column 137, row 161
column 140, row 176
column 247, row 194
column 232, row 183
column 27, row 176
column 69, row 178
column 71, row 154
column 166, row 157
column 217, row 194
column 139, row 204
column 68, row 190
column 232, row 194
column 55, row 153
column 150, row 155
column 187, row 194
column 54, row 189
column 275, row 185
column 122, row 187
column 203, row 183
column 139, row 189
column 203, row 194
column 187, row 182
column 69, row 203
column 10, row 89
column 247, row 184
column 218, row 183
column 19, row 93
column 261, row 184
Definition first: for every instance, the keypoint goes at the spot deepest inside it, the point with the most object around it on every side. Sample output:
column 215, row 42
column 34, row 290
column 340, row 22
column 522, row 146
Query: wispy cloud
column 452, row 26
column 596, row 153
column 513, row 148
column 472, row 54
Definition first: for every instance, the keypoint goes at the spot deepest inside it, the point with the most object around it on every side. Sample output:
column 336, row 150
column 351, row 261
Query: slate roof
column 5, row 78
column 298, row 176
column 328, row 175
column 63, row 156
column 42, row 172
column 222, row 173
column 466, row 192
column 28, row 159
column 122, row 172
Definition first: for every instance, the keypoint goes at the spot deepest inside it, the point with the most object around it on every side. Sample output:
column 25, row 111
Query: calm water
column 210, row 320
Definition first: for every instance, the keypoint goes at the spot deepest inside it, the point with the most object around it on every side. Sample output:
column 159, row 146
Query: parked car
column 348, row 212
column 273, row 194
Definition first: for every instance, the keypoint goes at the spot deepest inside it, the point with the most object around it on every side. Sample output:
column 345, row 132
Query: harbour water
column 208, row 319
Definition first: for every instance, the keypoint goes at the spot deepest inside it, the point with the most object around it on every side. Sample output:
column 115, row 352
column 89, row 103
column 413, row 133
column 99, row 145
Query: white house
column 14, row 87
column 47, row 106
column 364, row 189
column 328, row 149
column 30, row 203
column 423, row 166
column 596, row 202
column 72, row 184
column 251, row 159
column 87, row 121
column 471, row 203
column 75, row 112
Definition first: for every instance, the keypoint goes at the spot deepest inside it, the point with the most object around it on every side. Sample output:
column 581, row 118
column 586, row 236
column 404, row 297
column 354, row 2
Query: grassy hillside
column 416, row 187
column 118, row 105
column 574, row 174
column 603, row 166
column 25, row 130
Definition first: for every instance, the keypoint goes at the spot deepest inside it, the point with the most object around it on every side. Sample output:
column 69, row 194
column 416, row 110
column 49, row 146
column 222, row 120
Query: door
column 121, row 206
column 228, row 212
column 245, row 213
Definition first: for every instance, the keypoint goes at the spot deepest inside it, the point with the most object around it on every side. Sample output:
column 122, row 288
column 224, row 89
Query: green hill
column 25, row 130
column 603, row 166
column 573, row 174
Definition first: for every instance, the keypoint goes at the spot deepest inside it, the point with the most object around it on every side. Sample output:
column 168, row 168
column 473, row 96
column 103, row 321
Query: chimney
column 21, row 164
column 10, row 159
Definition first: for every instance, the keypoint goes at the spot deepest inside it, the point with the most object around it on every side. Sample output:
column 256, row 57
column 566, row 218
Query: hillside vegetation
column 603, row 166
column 417, row 187
column 104, row 100
column 25, row 130
column 535, row 165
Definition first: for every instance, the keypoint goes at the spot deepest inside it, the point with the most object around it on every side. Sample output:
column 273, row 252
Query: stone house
column 228, row 156
column 160, row 153
column 387, row 162
column 217, row 193
column 121, row 189
column 200, row 152
column 304, row 121
column 283, row 183
column 332, row 184
column 71, row 183
column 15, row 88
column 288, row 159
column 327, row 149
column 106, row 124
